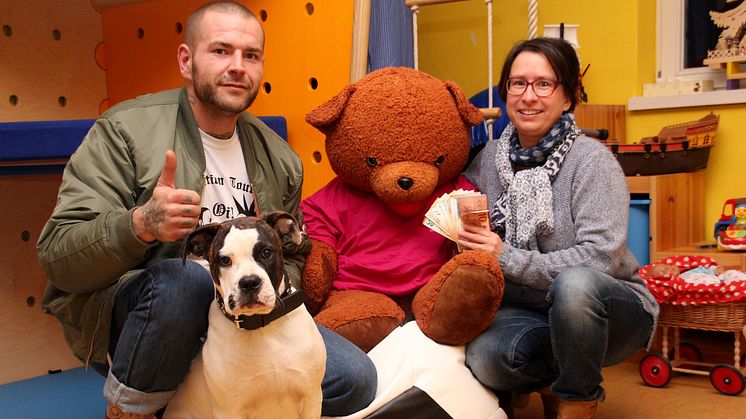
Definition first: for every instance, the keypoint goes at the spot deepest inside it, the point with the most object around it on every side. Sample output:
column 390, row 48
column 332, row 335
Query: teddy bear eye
column 372, row 161
column 225, row 261
column 439, row 161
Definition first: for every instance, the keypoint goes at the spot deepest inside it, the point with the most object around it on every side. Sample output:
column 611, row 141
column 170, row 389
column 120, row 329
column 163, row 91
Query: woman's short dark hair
column 561, row 56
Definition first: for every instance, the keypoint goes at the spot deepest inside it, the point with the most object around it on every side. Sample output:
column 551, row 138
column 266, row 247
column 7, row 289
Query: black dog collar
column 289, row 301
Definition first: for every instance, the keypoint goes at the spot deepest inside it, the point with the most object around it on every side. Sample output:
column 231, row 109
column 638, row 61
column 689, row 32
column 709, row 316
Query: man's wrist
column 138, row 226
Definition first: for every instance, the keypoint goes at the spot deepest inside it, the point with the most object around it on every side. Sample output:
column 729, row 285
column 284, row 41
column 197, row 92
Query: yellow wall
column 616, row 38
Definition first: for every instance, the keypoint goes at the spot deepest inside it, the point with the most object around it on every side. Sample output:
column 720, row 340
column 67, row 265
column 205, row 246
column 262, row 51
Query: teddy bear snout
column 405, row 183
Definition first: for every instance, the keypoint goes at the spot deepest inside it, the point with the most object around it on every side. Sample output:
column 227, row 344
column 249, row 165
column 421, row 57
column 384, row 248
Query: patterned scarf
column 524, row 209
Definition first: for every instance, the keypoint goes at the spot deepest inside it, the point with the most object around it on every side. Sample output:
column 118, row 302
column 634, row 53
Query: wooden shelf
column 676, row 208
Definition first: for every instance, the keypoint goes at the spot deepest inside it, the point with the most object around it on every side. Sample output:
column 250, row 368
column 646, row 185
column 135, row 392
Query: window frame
column 670, row 47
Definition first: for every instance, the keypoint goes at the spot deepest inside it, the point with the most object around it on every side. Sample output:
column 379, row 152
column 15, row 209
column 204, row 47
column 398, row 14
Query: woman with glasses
column 558, row 209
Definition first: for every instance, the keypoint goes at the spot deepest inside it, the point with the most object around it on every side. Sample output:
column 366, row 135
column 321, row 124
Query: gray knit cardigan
column 591, row 210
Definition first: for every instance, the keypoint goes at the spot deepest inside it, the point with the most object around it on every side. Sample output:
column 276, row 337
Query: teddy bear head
column 399, row 133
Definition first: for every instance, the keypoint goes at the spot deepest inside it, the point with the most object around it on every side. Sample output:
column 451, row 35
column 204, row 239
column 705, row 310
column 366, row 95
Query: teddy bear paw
column 364, row 318
column 460, row 301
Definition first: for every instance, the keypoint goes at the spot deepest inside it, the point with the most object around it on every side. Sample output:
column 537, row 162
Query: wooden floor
column 686, row 396
column 628, row 397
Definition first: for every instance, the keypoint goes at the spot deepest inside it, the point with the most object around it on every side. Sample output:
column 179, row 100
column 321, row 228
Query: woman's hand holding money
column 473, row 237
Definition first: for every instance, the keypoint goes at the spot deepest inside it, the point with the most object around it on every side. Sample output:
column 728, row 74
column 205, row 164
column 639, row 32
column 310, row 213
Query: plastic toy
column 727, row 216
column 733, row 237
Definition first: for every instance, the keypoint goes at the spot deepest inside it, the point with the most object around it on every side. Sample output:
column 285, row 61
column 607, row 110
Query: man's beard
column 207, row 93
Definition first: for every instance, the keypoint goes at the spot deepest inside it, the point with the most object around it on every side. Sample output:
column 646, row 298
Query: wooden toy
column 685, row 305
column 677, row 148
column 730, row 50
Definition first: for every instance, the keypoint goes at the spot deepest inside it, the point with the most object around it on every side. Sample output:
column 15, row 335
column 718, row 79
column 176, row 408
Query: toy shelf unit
column 676, row 209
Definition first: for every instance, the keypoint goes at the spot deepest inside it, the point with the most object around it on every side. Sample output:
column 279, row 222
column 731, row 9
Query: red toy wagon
column 709, row 306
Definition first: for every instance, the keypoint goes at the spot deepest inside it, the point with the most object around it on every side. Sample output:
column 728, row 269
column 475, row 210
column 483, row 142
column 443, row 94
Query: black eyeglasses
column 542, row 87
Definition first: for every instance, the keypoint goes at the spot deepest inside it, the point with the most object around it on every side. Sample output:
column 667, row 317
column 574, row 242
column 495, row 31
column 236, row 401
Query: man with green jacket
column 149, row 171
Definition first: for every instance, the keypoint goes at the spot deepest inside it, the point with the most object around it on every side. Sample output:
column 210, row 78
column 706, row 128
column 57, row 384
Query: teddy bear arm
column 318, row 274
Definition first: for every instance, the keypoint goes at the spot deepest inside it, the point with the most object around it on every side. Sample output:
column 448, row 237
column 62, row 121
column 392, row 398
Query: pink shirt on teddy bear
column 377, row 249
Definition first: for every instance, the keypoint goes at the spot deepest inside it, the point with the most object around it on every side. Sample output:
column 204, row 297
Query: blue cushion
column 42, row 140
column 73, row 394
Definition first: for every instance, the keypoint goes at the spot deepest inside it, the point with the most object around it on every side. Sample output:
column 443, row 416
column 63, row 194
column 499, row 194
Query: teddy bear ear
column 328, row 112
column 469, row 113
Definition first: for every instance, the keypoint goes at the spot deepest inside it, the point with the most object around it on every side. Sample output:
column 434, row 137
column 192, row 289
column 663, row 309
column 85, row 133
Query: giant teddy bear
column 397, row 139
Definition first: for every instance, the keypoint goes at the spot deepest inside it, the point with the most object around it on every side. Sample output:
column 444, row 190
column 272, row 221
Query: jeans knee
column 183, row 286
column 180, row 295
column 513, row 362
column 351, row 379
column 362, row 388
column 576, row 288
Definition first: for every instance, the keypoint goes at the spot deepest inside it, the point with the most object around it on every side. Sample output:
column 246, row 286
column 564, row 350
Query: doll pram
column 699, row 307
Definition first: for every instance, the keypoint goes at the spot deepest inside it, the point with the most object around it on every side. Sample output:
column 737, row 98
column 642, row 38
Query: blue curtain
column 390, row 41
column 390, row 44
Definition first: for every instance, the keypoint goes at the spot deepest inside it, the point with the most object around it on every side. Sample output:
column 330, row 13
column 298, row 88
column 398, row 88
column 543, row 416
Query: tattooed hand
column 171, row 213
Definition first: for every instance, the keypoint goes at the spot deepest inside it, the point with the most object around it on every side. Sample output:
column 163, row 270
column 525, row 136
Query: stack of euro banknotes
column 450, row 211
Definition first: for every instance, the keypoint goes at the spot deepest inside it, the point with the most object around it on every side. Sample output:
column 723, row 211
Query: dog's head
column 246, row 263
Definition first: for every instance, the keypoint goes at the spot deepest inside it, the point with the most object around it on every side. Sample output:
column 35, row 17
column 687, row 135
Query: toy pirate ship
column 677, row 148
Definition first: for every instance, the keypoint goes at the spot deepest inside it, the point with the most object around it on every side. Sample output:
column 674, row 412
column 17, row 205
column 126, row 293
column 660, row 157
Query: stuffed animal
column 397, row 139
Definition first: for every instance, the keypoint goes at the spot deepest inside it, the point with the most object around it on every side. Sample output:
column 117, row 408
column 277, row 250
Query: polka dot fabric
column 676, row 291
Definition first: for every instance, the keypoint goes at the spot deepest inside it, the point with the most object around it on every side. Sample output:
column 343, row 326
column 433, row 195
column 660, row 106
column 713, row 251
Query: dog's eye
column 225, row 261
column 372, row 161
column 439, row 161
column 266, row 253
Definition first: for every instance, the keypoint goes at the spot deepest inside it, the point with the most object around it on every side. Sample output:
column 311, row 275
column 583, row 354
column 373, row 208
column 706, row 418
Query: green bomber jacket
column 88, row 247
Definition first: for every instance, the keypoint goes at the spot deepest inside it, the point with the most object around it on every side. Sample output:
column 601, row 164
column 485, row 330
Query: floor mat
column 73, row 394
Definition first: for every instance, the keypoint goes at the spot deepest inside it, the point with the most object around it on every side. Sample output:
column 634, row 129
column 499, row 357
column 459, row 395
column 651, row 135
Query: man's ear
column 184, row 56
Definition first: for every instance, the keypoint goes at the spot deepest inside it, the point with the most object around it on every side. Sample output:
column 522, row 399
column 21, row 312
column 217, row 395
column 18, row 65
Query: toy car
column 728, row 215
column 734, row 236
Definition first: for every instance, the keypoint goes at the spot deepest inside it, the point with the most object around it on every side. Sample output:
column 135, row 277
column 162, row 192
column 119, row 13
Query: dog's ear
column 281, row 221
column 198, row 242
column 292, row 234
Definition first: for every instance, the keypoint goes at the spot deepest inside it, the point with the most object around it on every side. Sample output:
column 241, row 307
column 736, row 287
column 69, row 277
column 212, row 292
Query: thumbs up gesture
column 170, row 213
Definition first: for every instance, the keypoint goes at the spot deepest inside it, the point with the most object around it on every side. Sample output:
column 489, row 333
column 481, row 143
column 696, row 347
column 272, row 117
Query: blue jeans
column 591, row 321
column 159, row 323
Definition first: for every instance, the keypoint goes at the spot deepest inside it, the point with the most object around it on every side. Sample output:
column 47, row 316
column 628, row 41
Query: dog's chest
column 284, row 338
column 278, row 364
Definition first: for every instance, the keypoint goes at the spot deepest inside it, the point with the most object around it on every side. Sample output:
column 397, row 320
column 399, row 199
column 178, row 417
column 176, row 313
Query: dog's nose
column 405, row 183
column 250, row 283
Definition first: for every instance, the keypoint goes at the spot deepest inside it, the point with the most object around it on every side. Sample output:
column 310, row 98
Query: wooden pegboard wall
column 307, row 60
column 47, row 51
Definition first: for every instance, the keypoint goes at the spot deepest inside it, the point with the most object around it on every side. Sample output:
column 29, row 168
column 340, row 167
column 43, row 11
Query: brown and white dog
column 273, row 370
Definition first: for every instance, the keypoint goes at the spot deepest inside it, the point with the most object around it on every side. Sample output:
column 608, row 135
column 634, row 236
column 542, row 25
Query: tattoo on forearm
column 152, row 219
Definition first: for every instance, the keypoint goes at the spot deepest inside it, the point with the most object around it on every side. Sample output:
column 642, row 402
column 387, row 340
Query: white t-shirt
column 228, row 192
